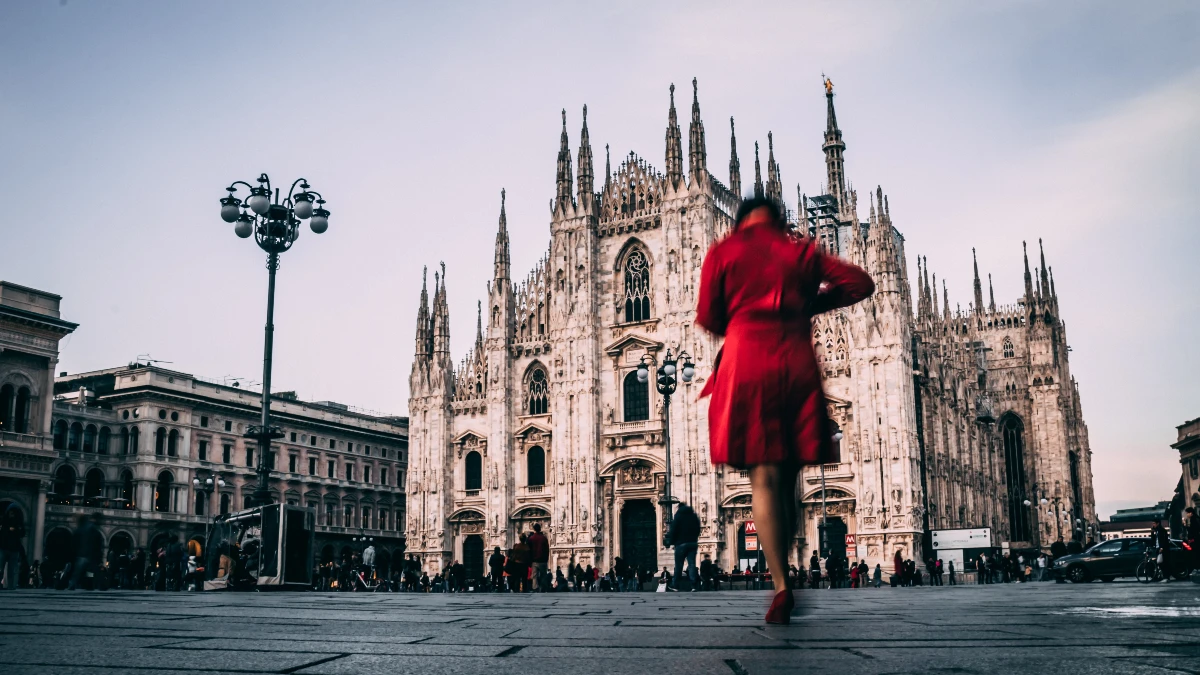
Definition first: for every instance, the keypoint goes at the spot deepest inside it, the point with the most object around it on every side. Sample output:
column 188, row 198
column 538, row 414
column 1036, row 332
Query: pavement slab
column 1120, row 628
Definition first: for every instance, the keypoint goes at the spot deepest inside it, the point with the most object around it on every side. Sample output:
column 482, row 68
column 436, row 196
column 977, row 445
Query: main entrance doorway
column 473, row 556
column 639, row 543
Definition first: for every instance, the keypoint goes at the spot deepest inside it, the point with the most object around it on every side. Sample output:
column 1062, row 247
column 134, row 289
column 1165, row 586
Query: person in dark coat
column 683, row 535
column 89, row 546
column 760, row 288
column 1058, row 549
column 539, row 554
column 12, row 534
column 496, row 565
column 518, row 565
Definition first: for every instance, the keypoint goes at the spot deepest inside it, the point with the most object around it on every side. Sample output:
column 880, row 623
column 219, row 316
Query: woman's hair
column 754, row 203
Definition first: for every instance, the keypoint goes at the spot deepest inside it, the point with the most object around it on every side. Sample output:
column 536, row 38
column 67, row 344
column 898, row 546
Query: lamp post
column 207, row 486
column 275, row 226
column 666, row 384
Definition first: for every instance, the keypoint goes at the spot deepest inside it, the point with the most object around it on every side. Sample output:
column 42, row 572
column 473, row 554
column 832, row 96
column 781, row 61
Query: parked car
column 1116, row 558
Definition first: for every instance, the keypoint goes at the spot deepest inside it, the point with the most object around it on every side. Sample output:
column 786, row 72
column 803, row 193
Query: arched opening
column 160, row 442
column 7, row 394
column 124, row 441
column 134, row 436
column 60, row 547
column 89, row 438
column 1013, row 433
column 535, row 466
column 474, row 471
column 637, row 398
column 74, row 436
column 226, row 500
column 127, row 489
column 103, row 440
column 637, row 287
column 121, row 544
column 60, row 435
column 473, row 556
column 93, row 485
column 1076, row 495
column 64, row 481
column 537, row 391
column 173, row 443
column 21, row 417
column 162, row 492
column 639, row 546
column 200, row 507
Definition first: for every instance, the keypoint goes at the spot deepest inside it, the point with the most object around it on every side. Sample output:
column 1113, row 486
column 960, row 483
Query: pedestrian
column 814, row 566
column 898, row 568
column 950, row 567
column 938, row 572
column 684, row 535
column 89, row 543
column 12, row 547
column 539, row 552
column 1058, row 549
column 768, row 411
column 518, row 564
column 496, row 567
column 854, row 576
column 707, row 573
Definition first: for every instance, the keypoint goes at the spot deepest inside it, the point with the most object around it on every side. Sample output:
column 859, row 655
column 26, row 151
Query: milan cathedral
column 949, row 418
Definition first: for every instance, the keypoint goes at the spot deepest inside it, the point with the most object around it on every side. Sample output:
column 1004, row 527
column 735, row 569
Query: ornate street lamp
column 666, row 383
column 275, row 226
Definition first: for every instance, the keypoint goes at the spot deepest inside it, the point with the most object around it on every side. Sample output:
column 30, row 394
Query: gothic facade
column 949, row 418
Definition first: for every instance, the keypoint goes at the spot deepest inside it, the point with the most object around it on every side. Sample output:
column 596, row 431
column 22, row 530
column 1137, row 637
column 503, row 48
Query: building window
column 535, row 465
column 162, row 492
column 127, row 489
column 383, row 517
column 383, row 477
column 202, row 451
column 173, row 443
column 537, row 392
column 366, row 474
column 1013, row 432
column 348, row 515
column 312, row 466
column 398, row 520
column 293, row 437
column 89, row 438
column 350, row 472
column 366, row 518
column 292, row 463
column 332, row 469
column 227, row 453
column 204, row 421
column 367, row 451
column 312, row 440
column 60, row 435
column 160, row 442
column 637, row 288
column 162, row 414
column 332, row 444
column 74, row 436
column 201, row 507
column 250, row 457
column 102, row 440
column 174, row 416
column 1008, row 349
column 228, row 425
column 134, row 435
column 637, row 398
column 474, row 471
column 225, row 502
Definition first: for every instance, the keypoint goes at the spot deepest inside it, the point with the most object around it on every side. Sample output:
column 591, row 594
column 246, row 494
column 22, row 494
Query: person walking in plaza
column 950, row 568
column 539, row 553
column 877, row 577
column 518, row 565
column 12, row 534
column 89, row 545
column 683, row 535
column 760, row 288
column 814, row 571
column 496, row 567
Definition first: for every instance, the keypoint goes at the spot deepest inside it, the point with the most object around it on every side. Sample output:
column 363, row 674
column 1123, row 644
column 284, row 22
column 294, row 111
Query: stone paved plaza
column 1047, row 628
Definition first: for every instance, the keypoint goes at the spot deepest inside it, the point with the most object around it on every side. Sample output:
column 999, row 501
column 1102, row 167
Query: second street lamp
column 275, row 226
column 666, row 383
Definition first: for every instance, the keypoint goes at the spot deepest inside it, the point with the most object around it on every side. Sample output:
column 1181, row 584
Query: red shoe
column 781, row 608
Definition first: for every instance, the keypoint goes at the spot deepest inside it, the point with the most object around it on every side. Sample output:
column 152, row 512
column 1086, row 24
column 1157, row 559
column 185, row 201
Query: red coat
column 760, row 288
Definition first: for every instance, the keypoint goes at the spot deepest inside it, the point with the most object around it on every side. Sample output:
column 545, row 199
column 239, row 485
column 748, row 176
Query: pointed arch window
column 1013, row 433
column 637, row 398
column 637, row 288
column 537, row 392
column 1009, row 352
column 162, row 492
column 474, row 471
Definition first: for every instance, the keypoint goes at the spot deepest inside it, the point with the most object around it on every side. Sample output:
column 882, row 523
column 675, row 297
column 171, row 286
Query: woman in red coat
column 760, row 288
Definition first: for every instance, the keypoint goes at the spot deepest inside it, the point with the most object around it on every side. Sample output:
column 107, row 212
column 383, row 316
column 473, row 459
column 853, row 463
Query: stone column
column 145, row 497
column 39, row 520
column 47, row 399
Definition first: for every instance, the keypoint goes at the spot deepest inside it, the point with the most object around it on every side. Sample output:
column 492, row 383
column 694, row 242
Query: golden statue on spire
column 828, row 86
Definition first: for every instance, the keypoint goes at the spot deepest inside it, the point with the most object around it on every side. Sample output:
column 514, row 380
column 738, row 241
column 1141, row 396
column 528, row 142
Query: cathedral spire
column 697, row 152
column 586, row 174
column 758, row 184
column 1045, row 278
column 423, row 336
column 502, row 269
column 441, row 318
column 945, row 301
column 735, row 167
column 991, row 294
column 607, row 169
column 801, row 211
column 834, row 147
column 933, row 292
column 922, row 307
column 674, row 147
column 1028, row 277
column 478, row 328
column 774, row 186
column 978, row 285
column 564, row 167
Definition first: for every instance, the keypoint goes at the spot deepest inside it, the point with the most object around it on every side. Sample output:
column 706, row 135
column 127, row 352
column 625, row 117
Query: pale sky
column 986, row 123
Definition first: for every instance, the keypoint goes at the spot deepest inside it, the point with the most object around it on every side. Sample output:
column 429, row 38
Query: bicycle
column 1149, row 569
